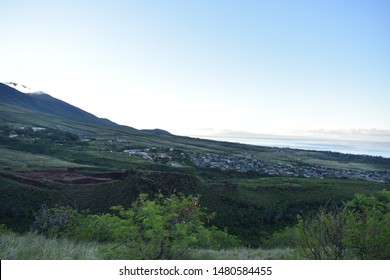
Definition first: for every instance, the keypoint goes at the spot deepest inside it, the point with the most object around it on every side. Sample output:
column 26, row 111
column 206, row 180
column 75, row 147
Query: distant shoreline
column 371, row 148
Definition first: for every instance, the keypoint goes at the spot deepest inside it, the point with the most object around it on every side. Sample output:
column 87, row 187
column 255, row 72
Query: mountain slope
column 54, row 153
column 42, row 110
column 46, row 104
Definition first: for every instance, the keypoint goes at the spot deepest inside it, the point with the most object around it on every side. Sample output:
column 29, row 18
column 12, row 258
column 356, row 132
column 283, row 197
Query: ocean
column 372, row 148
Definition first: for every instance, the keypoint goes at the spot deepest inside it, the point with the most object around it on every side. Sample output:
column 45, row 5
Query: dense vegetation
column 248, row 208
column 358, row 230
column 163, row 228
column 55, row 169
column 175, row 227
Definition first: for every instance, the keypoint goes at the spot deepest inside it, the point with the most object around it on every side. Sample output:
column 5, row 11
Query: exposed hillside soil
column 39, row 178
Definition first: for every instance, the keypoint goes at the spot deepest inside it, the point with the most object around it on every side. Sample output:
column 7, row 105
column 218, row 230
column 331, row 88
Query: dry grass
column 241, row 254
column 30, row 246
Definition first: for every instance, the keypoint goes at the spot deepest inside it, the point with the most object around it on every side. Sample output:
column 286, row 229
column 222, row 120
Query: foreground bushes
column 175, row 227
column 31, row 246
column 359, row 230
column 163, row 228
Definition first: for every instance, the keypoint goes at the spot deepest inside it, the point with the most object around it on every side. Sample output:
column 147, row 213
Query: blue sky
column 206, row 67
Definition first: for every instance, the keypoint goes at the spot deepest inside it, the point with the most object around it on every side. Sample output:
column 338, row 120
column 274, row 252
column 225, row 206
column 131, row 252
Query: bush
column 367, row 230
column 321, row 237
column 3, row 229
column 284, row 238
column 359, row 230
column 53, row 222
column 163, row 228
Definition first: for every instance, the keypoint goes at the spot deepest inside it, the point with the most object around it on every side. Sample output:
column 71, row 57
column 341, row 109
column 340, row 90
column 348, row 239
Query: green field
column 254, row 191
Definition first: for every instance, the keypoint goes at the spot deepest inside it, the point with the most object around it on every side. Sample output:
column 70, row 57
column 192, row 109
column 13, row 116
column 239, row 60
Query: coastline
column 357, row 147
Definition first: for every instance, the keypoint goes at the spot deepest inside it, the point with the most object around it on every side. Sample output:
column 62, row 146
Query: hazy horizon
column 373, row 146
column 294, row 68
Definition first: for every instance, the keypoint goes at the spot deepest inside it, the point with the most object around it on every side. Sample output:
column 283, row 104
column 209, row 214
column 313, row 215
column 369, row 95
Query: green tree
column 321, row 237
column 367, row 230
column 162, row 228
column 358, row 230
column 165, row 228
column 53, row 222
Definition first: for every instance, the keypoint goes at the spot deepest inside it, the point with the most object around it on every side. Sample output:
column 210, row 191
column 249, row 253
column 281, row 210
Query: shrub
column 3, row 228
column 321, row 237
column 358, row 230
column 284, row 238
column 53, row 222
column 367, row 230
column 163, row 228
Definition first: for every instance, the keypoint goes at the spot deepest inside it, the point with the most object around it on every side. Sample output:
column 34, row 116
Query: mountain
column 53, row 153
column 157, row 131
column 20, row 87
column 46, row 104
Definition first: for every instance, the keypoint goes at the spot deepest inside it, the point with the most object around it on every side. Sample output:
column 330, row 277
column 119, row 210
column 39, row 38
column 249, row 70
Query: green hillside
column 54, row 160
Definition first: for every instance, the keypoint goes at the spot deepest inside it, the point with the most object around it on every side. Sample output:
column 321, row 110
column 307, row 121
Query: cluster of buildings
column 149, row 153
column 21, row 131
column 244, row 164
column 226, row 162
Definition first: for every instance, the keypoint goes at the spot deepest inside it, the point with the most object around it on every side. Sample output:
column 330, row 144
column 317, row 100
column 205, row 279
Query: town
column 268, row 168
column 176, row 157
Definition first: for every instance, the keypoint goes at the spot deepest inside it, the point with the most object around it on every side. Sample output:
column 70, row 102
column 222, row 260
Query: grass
column 342, row 165
column 249, row 205
column 241, row 254
column 30, row 246
column 120, row 135
column 24, row 160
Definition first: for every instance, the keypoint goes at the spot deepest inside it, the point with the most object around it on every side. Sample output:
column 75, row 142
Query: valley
column 77, row 160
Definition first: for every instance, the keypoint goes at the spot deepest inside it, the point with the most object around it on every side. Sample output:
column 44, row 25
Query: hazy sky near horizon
column 203, row 67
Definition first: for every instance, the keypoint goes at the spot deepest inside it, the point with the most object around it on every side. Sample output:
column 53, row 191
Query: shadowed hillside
column 53, row 153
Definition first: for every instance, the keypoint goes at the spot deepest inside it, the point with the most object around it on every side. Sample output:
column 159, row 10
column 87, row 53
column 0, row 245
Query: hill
column 56, row 154
column 45, row 104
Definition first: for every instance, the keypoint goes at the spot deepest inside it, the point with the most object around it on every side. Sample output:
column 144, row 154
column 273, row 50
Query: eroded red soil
column 42, row 178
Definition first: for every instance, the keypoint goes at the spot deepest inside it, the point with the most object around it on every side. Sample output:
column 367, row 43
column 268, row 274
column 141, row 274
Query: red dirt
column 65, row 176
